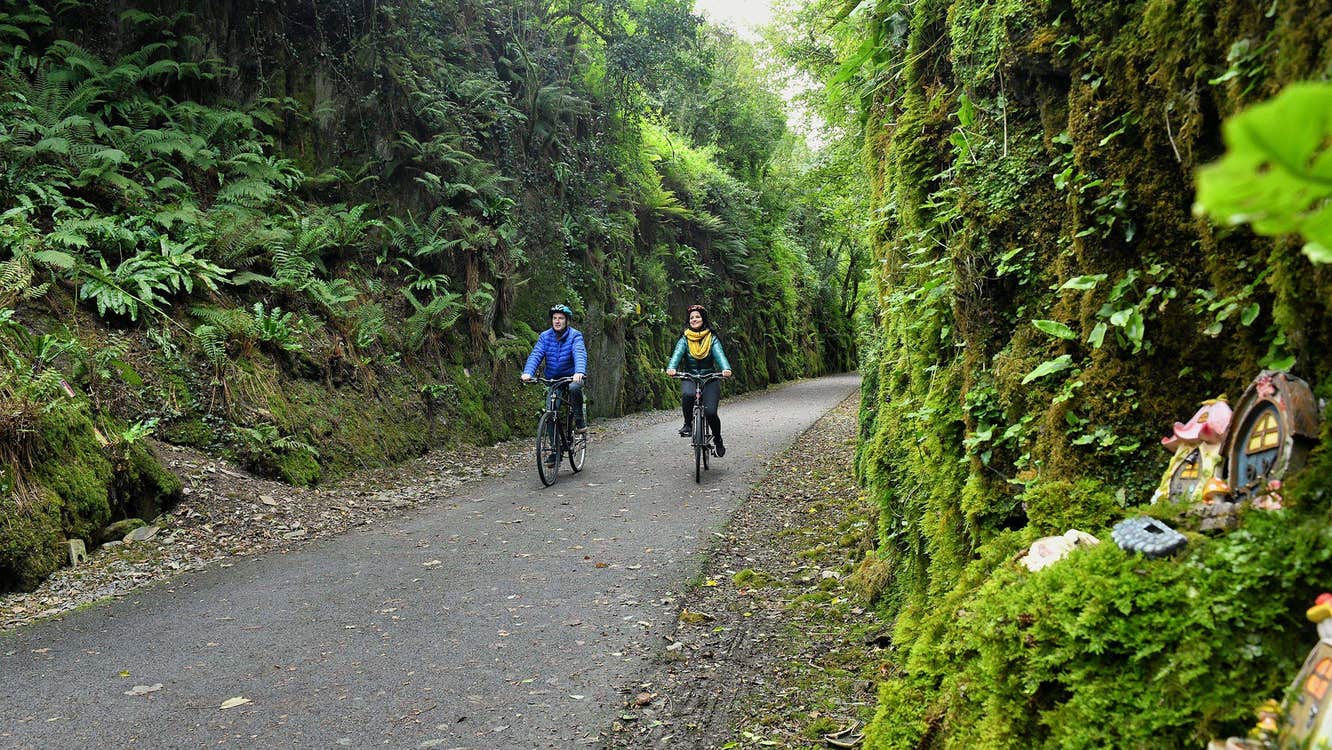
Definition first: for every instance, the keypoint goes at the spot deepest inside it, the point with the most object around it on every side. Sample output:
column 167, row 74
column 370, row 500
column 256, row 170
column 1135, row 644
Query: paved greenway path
column 509, row 616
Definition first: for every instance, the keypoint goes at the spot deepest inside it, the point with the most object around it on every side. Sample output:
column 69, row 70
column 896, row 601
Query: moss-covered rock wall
column 1050, row 306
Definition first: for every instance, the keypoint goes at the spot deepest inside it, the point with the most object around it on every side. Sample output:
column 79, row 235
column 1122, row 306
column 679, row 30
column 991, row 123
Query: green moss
column 143, row 486
column 1087, row 121
column 192, row 431
column 819, row 726
column 30, row 536
column 298, row 467
column 1057, row 506
column 749, row 578
column 75, row 468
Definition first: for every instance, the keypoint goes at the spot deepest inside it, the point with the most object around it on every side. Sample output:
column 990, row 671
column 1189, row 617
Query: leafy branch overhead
column 1277, row 171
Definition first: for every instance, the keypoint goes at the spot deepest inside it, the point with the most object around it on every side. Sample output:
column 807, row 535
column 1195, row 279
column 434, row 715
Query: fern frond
column 248, row 192
column 213, row 342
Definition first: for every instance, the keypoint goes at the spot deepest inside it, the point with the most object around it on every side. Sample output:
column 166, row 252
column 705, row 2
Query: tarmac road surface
column 507, row 616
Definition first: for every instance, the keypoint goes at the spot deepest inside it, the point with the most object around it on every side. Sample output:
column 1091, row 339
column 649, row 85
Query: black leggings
column 711, row 397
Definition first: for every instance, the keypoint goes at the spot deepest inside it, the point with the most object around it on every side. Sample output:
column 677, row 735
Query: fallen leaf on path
column 694, row 617
column 233, row 702
column 144, row 689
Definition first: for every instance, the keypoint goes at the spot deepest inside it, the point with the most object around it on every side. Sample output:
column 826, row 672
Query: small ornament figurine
column 1049, row 550
column 1196, row 445
column 1147, row 536
column 1276, row 423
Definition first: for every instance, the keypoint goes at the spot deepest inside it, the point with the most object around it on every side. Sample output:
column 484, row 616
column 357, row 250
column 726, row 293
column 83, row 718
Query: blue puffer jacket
column 564, row 355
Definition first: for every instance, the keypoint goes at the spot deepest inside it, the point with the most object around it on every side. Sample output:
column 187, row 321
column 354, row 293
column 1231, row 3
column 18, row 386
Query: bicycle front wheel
column 547, row 447
column 700, row 445
column 577, row 450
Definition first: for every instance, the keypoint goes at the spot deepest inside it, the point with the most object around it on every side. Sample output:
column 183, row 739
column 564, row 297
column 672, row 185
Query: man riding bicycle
column 562, row 349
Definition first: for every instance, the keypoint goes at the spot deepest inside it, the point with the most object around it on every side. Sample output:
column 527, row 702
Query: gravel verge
column 774, row 645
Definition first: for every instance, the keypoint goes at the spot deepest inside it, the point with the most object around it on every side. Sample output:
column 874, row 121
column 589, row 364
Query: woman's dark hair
column 701, row 311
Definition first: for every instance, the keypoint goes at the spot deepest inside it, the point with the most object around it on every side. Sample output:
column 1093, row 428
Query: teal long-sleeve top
column 714, row 362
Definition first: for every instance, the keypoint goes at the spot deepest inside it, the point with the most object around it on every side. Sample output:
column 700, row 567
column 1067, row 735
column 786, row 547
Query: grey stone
column 78, row 552
column 119, row 529
column 142, row 534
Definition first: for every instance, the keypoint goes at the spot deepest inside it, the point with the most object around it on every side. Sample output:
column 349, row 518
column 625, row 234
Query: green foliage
column 1032, row 660
column 1277, row 171
column 415, row 199
column 1055, row 507
column 1033, row 255
column 265, row 450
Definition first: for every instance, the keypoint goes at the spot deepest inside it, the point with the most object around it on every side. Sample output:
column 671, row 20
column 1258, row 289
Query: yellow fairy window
column 1316, row 685
column 1265, row 435
column 1189, row 470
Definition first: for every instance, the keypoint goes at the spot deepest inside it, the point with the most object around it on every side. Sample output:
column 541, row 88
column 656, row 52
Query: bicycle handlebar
column 551, row 381
column 697, row 378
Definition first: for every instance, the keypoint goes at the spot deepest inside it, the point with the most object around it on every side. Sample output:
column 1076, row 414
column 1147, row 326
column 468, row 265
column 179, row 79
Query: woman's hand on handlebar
column 670, row 372
column 726, row 373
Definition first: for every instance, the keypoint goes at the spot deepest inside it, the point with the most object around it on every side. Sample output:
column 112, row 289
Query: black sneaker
column 580, row 426
column 552, row 459
column 718, row 449
column 686, row 431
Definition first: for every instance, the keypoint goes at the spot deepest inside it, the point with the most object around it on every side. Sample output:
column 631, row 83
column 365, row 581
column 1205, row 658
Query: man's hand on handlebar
column 526, row 378
column 578, row 377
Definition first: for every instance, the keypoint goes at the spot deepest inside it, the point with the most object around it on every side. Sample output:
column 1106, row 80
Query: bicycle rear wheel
column 577, row 450
column 547, row 443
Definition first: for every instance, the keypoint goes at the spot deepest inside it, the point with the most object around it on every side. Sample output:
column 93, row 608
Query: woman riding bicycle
column 565, row 355
column 704, row 356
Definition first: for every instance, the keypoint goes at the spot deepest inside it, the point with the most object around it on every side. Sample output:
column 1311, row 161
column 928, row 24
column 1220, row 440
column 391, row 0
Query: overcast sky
column 742, row 15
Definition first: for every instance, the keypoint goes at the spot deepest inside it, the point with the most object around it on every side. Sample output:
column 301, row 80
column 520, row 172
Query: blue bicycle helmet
column 561, row 309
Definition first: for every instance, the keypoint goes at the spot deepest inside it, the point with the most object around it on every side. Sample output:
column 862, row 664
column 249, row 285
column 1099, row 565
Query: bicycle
column 556, row 435
column 702, row 432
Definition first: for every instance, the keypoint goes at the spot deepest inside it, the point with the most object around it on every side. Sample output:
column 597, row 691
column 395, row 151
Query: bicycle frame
column 702, row 432
column 555, row 428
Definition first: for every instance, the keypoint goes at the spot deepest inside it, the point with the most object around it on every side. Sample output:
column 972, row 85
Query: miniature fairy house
column 1275, row 425
column 1306, row 722
column 1302, row 721
column 1196, row 446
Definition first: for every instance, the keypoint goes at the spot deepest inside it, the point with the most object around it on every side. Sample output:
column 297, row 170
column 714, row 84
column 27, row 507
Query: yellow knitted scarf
column 700, row 342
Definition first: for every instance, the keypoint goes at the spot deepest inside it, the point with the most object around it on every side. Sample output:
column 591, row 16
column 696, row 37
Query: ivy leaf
column 1055, row 328
column 1277, row 171
column 1135, row 328
column 1283, row 363
column 1250, row 314
column 1083, row 282
column 1049, row 367
column 1097, row 337
column 1318, row 253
